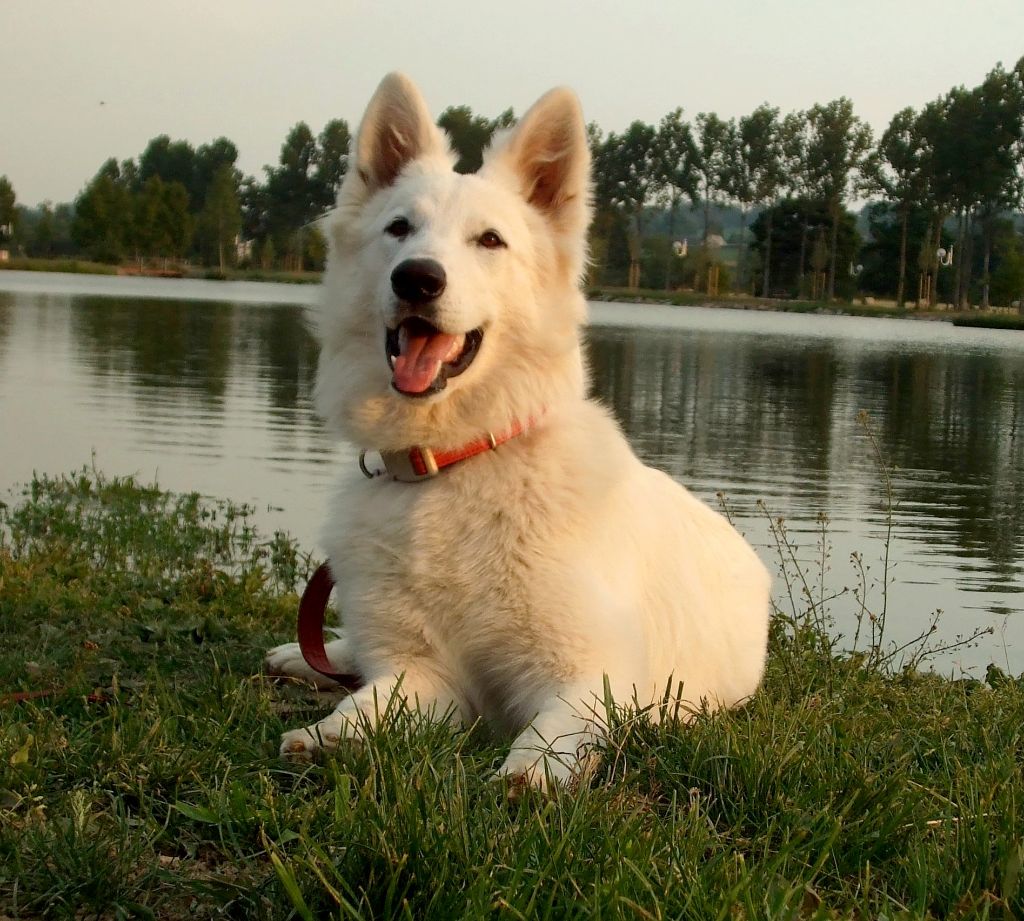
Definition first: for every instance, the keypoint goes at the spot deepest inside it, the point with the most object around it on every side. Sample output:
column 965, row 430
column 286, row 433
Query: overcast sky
column 83, row 81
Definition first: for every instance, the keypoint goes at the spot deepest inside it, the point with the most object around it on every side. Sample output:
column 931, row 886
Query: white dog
column 519, row 583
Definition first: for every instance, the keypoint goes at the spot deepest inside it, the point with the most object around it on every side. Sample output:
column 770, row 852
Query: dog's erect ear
column 395, row 130
column 547, row 152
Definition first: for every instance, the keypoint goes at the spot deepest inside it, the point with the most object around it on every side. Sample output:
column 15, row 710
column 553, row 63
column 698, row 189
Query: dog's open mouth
column 423, row 358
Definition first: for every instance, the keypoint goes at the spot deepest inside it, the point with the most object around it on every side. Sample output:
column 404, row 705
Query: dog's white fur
column 514, row 585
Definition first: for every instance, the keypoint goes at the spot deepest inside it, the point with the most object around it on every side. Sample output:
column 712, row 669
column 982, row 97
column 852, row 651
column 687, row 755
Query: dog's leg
column 286, row 661
column 417, row 687
column 561, row 742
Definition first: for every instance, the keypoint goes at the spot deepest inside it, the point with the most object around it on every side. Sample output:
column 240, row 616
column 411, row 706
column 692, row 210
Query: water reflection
column 6, row 321
column 953, row 423
column 702, row 405
column 217, row 397
column 157, row 344
column 287, row 353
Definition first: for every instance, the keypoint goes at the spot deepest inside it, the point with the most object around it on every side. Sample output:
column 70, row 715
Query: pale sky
column 250, row 69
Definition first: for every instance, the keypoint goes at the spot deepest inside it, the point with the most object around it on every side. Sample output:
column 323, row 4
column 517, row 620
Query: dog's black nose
column 418, row 281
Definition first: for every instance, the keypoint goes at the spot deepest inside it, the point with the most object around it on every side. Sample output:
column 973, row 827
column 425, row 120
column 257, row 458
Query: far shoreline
column 998, row 318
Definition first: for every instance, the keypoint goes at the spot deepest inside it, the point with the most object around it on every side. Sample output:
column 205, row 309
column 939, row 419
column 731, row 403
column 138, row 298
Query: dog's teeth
column 456, row 348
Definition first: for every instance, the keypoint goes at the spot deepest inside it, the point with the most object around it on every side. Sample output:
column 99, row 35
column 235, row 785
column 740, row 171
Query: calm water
column 206, row 386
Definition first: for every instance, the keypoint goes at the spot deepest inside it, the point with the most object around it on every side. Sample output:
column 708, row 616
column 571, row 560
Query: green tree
column 178, row 224
column 609, row 247
column 761, row 140
column 737, row 184
column 838, row 142
column 148, row 234
column 332, row 160
column 1008, row 276
column 289, row 198
column 172, row 161
column 220, row 221
column 627, row 170
column 971, row 155
column 1000, row 104
column 800, row 230
column 887, row 249
column 44, row 231
column 103, row 218
column 267, row 254
column 795, row 134
column 255, row 218
column 712, row 160
column 8, row 209
column 894, row 169
column 209, row 160
column 941, row 199
column 470, row 134
column 129, row 171
column 314, row 249
column 161, row 225
column 752, row 176
column 675, row 164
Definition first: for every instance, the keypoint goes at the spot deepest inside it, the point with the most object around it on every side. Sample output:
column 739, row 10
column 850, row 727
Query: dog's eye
column 399, row 227
column 489, row 239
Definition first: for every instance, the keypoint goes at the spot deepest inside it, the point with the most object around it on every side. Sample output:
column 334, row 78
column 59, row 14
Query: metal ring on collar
column 370, row 475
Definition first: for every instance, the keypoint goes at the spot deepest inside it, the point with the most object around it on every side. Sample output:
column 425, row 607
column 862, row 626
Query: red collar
column 421, row 463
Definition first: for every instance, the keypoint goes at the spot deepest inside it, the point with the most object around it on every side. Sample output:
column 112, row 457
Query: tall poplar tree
column 221, row 218
column 712, row 159
column 103, row 220
column 838, row 143
column 627, row 164
column 895, row 169
column 675, row 162
column 8, row 209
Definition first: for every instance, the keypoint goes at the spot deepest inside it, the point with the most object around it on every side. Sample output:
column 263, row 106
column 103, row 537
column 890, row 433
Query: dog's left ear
column 548, row 157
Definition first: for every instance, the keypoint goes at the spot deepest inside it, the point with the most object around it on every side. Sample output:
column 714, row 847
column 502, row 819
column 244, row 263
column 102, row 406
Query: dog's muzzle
column 423, row 357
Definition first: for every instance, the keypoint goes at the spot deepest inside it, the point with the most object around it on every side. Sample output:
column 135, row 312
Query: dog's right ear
column 396, row 129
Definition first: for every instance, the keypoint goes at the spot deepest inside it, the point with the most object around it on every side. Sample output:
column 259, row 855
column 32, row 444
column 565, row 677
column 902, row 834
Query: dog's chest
column 456, row 566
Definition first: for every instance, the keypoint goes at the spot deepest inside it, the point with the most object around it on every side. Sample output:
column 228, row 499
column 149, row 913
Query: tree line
column 179, row 202
column 948, row 177
column 764, row 198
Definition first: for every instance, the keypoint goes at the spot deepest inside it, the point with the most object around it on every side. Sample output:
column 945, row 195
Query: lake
column 206, row 386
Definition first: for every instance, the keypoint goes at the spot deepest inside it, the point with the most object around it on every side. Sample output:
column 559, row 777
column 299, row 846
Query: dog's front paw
column 306, row 743
column 526, row 768
column 286, row 661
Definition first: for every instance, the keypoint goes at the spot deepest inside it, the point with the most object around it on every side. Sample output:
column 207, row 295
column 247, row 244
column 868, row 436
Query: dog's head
column 451, row 302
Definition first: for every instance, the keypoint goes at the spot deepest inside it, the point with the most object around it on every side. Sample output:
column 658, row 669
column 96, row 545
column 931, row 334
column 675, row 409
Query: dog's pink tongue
column 417, row 366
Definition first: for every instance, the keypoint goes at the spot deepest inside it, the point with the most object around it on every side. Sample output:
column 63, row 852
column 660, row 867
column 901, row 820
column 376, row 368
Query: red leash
column 312, row 611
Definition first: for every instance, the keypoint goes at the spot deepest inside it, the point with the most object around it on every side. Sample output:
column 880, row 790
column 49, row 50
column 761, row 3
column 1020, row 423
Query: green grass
column 749, row 302
column 282, row 277
column 990, row 320
column 147, row 784
column 84, row 267
column 844, row 308
column 71, row 266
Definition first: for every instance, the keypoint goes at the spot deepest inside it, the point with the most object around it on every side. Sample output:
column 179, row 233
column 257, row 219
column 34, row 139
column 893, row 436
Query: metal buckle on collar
column 402, row 464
